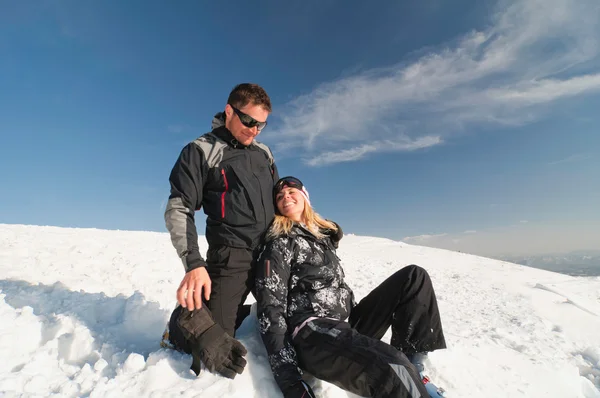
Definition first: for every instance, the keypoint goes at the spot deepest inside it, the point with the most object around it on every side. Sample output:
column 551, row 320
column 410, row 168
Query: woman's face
column 290, row 203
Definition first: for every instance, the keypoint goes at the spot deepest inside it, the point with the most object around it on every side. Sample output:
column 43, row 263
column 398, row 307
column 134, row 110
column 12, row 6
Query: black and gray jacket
column 233, row 183
column 298, row 276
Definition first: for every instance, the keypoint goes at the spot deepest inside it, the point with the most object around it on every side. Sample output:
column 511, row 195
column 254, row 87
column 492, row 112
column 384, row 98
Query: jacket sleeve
column 272, row 279
column 187, row 182
column 275, row 173
column 335, row 236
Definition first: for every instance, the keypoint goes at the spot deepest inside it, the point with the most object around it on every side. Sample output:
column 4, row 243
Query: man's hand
column 189, row 294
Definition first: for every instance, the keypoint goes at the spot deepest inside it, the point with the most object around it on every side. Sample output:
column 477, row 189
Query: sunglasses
column 248, row 120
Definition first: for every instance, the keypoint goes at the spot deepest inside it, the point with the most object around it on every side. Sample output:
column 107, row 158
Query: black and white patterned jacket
column 297, row 277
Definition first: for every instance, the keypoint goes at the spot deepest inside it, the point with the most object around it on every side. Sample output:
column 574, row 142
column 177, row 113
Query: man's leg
column 406, row 302
column 230, row 271
column 332, row 351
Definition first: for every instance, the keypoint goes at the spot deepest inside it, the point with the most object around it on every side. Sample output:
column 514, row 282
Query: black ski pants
column 406, row 302
column 351, row 355
column 231, row 273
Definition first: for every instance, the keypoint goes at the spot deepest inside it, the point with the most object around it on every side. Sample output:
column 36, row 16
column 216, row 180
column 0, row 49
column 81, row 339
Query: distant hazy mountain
column 577, row 263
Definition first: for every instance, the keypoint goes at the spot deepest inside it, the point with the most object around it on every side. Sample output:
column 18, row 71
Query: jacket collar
column 222, row 132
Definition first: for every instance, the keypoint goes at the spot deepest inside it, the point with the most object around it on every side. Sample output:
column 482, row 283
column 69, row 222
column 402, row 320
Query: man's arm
column 275, row 173
column 187, row 183
column 273, row 273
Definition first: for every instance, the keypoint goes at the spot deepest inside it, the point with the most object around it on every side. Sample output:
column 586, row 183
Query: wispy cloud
column 423, row 238
column 509, row 75
column 348, row 155
column 578, row 157
column 177, row 128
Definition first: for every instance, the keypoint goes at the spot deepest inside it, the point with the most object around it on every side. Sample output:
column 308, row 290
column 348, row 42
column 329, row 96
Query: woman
column 303, row 303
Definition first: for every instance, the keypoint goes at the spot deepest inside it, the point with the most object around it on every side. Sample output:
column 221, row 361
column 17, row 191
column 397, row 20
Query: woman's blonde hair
column 282, row 225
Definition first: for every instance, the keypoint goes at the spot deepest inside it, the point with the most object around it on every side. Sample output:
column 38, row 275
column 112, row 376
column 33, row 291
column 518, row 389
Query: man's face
column 245, row 135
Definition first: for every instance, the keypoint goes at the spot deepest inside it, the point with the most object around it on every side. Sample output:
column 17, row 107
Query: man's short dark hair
column 246, row 93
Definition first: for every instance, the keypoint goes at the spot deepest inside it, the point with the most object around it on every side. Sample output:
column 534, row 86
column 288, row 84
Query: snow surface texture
column 82, row 312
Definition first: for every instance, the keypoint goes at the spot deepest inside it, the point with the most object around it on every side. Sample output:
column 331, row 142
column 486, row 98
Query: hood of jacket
column 218, row 120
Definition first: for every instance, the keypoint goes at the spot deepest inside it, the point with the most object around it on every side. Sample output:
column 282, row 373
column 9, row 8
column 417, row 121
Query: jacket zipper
column 262, row 202
column 223, row 194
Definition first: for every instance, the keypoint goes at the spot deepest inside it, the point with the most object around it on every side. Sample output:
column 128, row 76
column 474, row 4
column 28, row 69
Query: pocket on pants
column 239, row 260
column 225, row 261
column 217, row 256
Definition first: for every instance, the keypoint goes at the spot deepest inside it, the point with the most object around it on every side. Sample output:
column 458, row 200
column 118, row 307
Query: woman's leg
column 406, row 302
column 332, row 351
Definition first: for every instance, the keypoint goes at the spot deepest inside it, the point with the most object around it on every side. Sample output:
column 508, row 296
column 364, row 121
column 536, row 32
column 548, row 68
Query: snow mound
column 83, row 311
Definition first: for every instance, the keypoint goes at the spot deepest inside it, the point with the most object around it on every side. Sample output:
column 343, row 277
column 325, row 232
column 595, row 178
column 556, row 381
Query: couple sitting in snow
column 309, row 320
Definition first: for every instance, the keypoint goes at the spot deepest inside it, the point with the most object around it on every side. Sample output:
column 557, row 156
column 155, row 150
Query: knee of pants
column 224, row 314
column 412, row 272
column 413, row 268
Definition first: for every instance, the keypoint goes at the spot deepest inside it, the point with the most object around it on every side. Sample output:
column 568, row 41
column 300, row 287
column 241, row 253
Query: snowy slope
column 82, row 311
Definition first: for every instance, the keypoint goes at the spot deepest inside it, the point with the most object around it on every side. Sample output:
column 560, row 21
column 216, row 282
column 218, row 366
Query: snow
column 82, row 312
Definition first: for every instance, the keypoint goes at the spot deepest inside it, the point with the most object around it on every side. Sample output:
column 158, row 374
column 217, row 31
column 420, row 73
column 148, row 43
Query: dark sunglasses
column 291, row 182
column 248, row 120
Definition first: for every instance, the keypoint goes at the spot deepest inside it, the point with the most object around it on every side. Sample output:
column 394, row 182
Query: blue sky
column 472, row 125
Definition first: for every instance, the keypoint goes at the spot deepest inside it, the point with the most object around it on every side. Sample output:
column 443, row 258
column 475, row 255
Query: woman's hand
column 299, row 390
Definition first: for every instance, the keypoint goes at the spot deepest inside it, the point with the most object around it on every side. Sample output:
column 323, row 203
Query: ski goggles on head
column 291, row 182
column 248, row 120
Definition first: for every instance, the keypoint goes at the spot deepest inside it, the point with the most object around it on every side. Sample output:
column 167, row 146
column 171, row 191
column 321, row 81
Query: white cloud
column 422, row 238
column 177, row 128
column 518, row 239
column 509, row 74
column 348, row 155
column 548, row 90
column 571, row 159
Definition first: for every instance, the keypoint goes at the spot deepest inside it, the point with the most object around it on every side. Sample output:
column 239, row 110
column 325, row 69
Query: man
column 231, row 176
